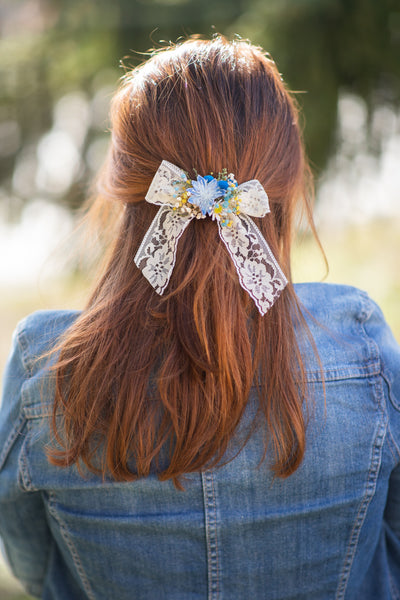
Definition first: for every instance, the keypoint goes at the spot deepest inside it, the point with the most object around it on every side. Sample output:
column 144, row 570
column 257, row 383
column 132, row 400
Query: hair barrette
column 181, row 200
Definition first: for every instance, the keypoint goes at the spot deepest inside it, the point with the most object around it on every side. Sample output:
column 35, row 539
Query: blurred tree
column 324, row 47
column 51, row 47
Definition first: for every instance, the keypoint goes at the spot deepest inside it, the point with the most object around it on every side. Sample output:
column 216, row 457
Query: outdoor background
column 59, row 65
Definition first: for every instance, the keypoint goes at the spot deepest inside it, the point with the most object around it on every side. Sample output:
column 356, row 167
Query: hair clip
column 232, row 206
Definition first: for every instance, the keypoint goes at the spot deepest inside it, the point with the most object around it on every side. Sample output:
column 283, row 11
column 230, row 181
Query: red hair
column 141, row 377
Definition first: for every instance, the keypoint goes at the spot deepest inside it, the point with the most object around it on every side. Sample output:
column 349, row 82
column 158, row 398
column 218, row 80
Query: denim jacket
column 329, row 531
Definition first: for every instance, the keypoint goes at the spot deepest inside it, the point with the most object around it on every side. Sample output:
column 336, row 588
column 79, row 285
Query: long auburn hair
column 142, row 377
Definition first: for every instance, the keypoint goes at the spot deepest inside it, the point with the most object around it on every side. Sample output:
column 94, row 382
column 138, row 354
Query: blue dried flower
column 223, row 184
column 204, row 192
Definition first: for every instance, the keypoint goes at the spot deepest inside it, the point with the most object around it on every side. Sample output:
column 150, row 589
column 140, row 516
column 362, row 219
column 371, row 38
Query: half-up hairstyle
column 141, row 377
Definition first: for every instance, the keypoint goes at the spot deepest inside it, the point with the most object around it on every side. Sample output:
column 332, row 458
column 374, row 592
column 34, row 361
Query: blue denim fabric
column 329, row 531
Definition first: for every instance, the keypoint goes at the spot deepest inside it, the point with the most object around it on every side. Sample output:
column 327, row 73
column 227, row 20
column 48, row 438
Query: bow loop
column 253, row 199
column 232, row 206
column 164, row 186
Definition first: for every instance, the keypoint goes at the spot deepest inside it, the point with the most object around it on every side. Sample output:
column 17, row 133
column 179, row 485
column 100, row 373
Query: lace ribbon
column 259, row 273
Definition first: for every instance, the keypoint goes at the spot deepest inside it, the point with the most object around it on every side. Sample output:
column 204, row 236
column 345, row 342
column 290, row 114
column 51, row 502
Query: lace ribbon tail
column 258, row 271
column 157, row 252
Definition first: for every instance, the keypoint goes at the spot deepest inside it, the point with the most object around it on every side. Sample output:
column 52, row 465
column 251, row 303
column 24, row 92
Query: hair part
column 149, row 383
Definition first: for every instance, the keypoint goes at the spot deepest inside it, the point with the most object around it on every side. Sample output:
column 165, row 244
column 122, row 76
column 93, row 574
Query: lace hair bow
column 226, row 202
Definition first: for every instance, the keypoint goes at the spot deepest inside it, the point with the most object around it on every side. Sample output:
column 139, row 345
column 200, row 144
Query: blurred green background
column 59, row 65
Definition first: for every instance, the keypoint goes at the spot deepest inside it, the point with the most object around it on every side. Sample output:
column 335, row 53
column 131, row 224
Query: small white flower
column 236, row 237
column 158, row 268
column 173, row 222
column 257, row 280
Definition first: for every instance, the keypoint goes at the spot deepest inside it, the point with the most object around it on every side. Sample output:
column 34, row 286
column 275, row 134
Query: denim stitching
column 362, row 511
column 15, row 432
column 339, row 374
column 211, row 534
column 23, row 343
column 24, row 475
column 366, row 310
column 358, row 523
column 216, row 537
column 71, row 547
